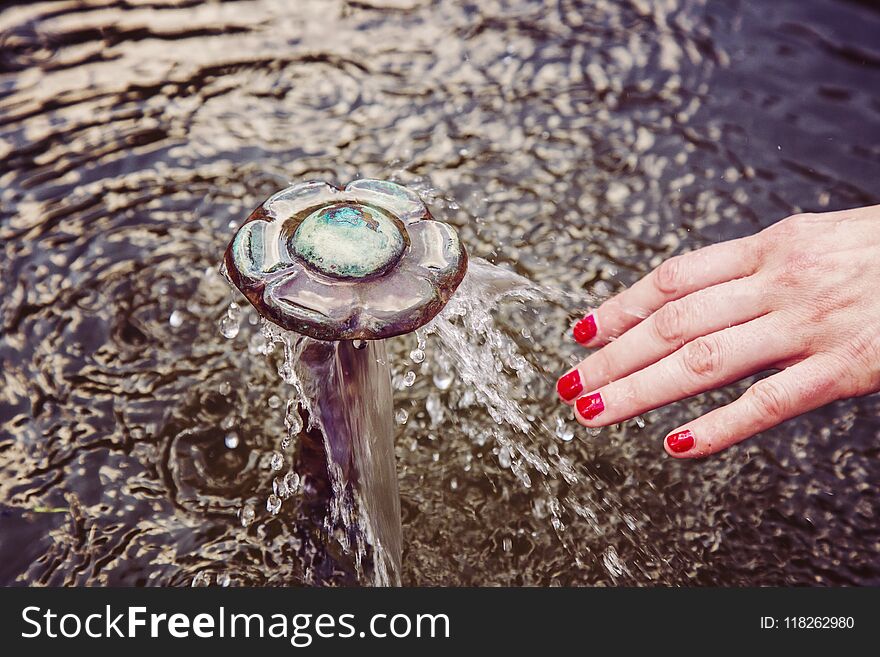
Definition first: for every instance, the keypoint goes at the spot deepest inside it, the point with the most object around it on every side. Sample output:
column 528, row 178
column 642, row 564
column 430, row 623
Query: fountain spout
column 364, row 263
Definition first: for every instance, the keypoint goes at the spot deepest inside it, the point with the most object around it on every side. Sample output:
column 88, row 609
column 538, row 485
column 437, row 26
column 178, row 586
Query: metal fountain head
column 364, row 262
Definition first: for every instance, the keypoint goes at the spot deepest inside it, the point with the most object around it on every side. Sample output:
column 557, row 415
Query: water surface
column 575, row 143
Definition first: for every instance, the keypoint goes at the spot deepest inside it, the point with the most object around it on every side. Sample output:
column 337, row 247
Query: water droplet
column 229, row 327
column 409, row 378
column 435, row 409
column 417, row 356
column 231, row 440
column 247, row 515
column 280, row 488
column 273, row 504
column 291, row 479
column 292, row 420
column 504, row 458
column 563, row 431
column 176, row 319
column 277, row 461
column 223, row 579
column 612, row 562
column 453, row 483
column 225, row 388
column 201, row 579
column 507, row 544
column 274, row 401
column 526, row 333
column 443, row 380
column 401, row 416
column 519, row 470
column 359, row 344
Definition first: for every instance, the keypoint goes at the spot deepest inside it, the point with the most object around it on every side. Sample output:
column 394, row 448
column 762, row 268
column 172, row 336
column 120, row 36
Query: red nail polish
column 680, row 441
column 570, row 386
column 585, row 330
column 590, row 406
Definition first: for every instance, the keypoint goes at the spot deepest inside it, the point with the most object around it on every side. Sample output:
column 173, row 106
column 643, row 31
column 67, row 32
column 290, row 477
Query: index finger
column 673, row 279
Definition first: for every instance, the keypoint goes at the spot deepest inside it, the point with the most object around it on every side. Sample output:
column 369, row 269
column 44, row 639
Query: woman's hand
column 802, row 296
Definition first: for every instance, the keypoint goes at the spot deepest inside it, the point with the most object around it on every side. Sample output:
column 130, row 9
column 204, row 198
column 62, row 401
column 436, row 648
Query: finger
column 674, row 278
column 802, row 387
column 708, row 362
column 673, row 325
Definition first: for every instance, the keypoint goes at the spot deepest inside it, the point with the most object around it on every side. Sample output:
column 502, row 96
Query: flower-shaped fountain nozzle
column 364, row 262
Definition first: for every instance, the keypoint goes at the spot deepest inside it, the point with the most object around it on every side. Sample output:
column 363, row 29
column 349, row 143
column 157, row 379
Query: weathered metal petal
column 436, row 248
column 257, row 251
column 403, row 302
column 400, row 201
column 295, row 198
column 310, row 305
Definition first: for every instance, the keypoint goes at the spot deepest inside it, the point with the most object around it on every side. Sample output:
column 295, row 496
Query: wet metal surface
column 365, row 262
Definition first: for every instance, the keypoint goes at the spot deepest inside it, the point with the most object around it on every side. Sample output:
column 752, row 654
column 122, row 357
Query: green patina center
column 348, row 241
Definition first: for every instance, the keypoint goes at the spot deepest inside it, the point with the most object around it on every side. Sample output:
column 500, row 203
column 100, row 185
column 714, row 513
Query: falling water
column 350, row 399
column 344, row 389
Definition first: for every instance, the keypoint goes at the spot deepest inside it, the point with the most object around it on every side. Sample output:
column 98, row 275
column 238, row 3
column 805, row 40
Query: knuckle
column 781, row 233
column 703, row 357
column 861, row 359
column 770, row 398
column 781, row 230
column 791, row 225
column 669, row 277
column 801, row 267
column 670, row 323
column 752, row 251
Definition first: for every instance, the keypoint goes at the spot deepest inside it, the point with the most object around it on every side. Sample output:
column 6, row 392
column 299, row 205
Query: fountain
column 343, row 269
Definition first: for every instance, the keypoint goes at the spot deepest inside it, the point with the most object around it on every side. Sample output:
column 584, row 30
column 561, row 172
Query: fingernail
column 570, row 386
column 590, row 406
column 585, row 330
column 680, row 441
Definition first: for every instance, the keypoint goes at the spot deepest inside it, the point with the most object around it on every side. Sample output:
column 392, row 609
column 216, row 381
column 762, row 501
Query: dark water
column 579, row 143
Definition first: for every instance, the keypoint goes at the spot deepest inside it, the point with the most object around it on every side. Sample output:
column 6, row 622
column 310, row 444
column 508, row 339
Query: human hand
column 802, row 296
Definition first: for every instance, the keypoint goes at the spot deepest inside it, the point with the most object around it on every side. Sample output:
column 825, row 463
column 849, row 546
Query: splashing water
column 482, row 380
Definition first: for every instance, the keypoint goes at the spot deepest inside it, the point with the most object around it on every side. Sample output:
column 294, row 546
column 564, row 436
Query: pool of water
column 575, row 143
